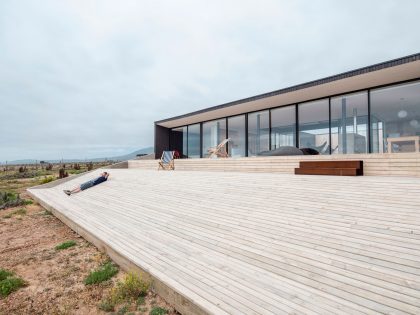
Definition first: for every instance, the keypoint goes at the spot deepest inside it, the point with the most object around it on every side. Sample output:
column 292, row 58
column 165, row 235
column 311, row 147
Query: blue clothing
column 93, row 182
column 86, row 185
column 99, row 180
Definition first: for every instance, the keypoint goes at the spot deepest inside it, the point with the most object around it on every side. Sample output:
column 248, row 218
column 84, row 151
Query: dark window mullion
column 369, row 129
column 297, row 125
column 246, row 134
column 201, row 140
column 329, row 123
column 269, row 129
column 227, row 135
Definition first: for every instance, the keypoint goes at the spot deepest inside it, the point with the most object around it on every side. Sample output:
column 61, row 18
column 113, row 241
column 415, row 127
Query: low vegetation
column 132, row 289
column 9, row 283
column 103, row 273
column 69, row 265
column 65, row 245
column 46, row 180
column 158, row 311
column 10, row 199
column 18, row 212
column 47, row 212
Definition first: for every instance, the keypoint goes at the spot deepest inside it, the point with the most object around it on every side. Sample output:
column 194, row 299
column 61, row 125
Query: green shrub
column 5, row 274
column 8, row 196
column 106, row 305
column 9, row 200
column 65, row 245
column 132, row 287
column 140, row 300
column 47, row 180
column 123, row 310
column 103, row 273
column 158, row 311
column 9, row 283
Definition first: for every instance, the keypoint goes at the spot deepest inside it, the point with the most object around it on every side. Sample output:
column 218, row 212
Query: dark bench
column 338, row 168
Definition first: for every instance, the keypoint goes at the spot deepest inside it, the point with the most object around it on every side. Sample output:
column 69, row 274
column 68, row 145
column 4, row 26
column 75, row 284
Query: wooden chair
column 219, row 150
column 167, row 161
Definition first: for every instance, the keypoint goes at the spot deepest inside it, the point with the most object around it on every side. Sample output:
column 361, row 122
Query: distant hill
column 129, row 156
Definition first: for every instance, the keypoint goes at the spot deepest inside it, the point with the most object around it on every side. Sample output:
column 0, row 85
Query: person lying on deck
column 91, row 183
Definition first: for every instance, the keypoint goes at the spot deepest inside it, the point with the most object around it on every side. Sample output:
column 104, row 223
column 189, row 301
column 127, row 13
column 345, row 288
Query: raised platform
column 389, row 164
column 335, row 168
column 241, row 243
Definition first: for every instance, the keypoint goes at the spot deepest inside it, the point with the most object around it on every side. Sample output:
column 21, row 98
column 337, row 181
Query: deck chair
column 219, row 150
column 167, row 161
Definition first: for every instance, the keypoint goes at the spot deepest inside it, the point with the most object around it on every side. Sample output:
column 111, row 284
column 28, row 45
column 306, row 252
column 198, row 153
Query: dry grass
column 54, row 279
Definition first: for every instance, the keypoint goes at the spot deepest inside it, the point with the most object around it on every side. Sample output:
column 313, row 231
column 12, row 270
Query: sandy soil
column 55, row 278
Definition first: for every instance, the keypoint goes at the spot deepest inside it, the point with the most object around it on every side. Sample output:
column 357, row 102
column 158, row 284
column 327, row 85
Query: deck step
column 327, row 171
column 337, row 168
column 392, row 164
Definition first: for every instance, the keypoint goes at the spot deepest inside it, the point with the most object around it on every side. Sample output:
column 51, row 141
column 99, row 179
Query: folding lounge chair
column 167, row 161
column 219, row 150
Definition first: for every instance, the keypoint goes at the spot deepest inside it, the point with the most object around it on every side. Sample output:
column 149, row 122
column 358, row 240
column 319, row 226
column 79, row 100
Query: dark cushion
column 286, row 150
column 309, row 151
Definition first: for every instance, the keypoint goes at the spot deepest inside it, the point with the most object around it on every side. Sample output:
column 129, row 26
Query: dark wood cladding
column 338, row 168
column 161, row 140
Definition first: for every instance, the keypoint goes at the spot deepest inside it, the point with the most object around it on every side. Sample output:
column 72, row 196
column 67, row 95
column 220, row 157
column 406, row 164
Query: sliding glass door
column 314, row 129
column 258, row 132
column 237, row 135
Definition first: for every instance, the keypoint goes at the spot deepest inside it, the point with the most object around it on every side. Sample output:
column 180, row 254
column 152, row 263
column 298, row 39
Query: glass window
column 179, row 141
column 236, row 133
column 395, row 118
column 314, row 129
column 349, row 123
column 258, row 132
column 214, row 132
column 283, row 127
column 194, row 141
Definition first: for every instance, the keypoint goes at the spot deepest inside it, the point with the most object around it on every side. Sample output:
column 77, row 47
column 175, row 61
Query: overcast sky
column 81, row 79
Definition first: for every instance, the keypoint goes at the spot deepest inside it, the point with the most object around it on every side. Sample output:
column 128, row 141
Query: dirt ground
column 55, row 279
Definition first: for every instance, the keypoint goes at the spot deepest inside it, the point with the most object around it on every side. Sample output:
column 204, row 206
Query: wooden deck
column 242, row 243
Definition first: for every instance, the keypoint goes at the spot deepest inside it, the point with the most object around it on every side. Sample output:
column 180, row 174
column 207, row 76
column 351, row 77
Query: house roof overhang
column 397, row 70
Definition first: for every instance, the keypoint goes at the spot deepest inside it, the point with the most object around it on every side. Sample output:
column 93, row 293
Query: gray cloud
column 88, row 78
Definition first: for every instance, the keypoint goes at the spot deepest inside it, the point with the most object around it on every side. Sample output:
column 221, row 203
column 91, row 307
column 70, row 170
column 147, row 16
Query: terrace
column 261, row 243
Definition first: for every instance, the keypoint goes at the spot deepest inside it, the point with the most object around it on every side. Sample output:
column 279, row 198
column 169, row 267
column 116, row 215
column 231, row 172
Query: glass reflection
column 349, row 123
column 314, row 130
column 236, row 133
column 194, row 141
column 214, row 132
column 283, row 127
column 395, row 118
column 258, row 132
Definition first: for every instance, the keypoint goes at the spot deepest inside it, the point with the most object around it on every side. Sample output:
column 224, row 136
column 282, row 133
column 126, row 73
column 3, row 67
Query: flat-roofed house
column 371, row 110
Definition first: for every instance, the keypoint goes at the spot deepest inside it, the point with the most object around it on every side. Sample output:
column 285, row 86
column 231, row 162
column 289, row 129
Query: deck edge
column 181, row 303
